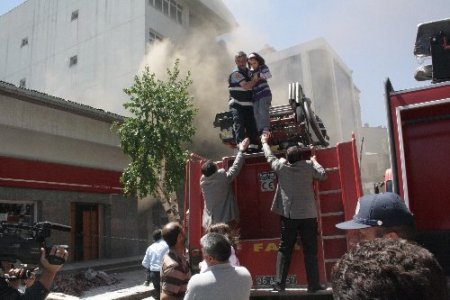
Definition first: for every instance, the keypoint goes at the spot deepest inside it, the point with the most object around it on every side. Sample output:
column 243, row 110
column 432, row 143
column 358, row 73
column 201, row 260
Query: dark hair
column 240, row 54
column 407, row 231
column 157, row 234
column 223, row 228
column 388, row 269
column 170, row 233
column 217, row 246
column 258, row 58
column 209, row 168
column 295, row 153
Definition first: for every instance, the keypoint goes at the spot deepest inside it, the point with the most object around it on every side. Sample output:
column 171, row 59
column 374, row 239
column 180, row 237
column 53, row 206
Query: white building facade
column 59, row 159
column 325, row 79
column 89, row 50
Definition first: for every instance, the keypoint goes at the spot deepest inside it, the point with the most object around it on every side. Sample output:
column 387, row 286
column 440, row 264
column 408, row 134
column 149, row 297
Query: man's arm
column 319, row 171
column 146, row 260
column 248, row 85
column 239, row 161
column 49, row 270
column 274, row 162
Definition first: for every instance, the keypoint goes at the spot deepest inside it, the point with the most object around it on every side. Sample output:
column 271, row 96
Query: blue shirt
column 154, row 254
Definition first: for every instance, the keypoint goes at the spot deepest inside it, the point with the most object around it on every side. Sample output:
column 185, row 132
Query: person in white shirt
column 152, row 260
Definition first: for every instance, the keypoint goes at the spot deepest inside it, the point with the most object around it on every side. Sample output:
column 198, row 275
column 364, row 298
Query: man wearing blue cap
column 382, row 215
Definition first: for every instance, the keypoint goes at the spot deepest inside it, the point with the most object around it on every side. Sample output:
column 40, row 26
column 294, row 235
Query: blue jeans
column 261, row 109
column 244, row 123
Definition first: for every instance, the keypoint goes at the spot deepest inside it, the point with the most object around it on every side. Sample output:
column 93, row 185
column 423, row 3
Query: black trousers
column 155, row 278
column 307, row 228
column 244, row 124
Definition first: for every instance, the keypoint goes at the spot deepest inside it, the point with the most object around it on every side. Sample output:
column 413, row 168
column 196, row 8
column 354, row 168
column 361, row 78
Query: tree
column 155, row 136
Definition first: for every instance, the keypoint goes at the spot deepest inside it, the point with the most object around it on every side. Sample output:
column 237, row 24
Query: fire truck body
column 260, row 228
column 419, row 141
column 419, row 138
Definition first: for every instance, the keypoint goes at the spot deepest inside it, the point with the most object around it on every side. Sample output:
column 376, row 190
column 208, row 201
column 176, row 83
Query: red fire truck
column 254, row 190
column 419, row 136
column 419, row 141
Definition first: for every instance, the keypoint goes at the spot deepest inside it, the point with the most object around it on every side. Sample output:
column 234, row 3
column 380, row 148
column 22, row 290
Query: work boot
column 282, row 272
column 278, row 287
column 316, row 288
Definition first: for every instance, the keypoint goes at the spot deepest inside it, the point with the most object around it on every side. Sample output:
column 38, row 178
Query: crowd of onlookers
column 385, row 264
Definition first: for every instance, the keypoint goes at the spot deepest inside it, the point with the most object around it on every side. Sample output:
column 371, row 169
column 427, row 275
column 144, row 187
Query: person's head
column 240, row 59
column 156, row 234
column 173, row 234
column 381, row 215
column 216, row 248
column 388, row 269
column 294, row 154
column 209, row 168
column 255, row 60
column 223, row 228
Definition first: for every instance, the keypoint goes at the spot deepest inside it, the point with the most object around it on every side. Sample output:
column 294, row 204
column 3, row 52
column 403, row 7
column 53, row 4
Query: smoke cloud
column 210, row 64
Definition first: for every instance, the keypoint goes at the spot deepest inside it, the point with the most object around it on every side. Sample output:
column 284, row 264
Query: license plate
column 268, row 280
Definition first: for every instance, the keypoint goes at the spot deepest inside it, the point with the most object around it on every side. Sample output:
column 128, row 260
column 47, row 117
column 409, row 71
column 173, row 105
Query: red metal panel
column 425, row 139
column 259, row 227
column 407, row 97
column 43, row 175
column 426, row 150
column 331, row 203
column 255, row 200
column 194, row 203
column 328, row 228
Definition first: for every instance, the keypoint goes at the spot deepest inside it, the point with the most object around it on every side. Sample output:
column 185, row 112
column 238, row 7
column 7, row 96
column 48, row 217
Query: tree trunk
column 170, row 205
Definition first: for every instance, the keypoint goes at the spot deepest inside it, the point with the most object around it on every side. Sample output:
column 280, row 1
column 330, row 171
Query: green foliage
column 156, row 135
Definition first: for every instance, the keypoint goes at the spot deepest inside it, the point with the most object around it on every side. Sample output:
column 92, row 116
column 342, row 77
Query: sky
column 374, row 38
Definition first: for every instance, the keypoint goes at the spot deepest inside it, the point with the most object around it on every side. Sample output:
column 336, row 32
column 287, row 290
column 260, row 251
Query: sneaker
column 146, row 283
column 316, row 288
column 278, row 287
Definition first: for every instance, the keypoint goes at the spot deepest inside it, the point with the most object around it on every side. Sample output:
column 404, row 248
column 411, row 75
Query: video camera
column 22, row 242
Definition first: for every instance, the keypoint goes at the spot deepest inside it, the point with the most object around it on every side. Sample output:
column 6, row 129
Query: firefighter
column 240, row 86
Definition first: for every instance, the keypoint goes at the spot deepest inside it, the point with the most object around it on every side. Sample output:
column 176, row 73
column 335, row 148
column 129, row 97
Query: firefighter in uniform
column 240, row 85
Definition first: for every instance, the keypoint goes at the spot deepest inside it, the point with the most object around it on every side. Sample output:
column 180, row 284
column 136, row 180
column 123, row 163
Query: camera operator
column 35, row 289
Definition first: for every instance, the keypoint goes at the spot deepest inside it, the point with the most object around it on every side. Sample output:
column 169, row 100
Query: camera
column 22, row 242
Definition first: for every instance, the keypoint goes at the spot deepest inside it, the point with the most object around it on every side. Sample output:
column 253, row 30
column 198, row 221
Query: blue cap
column 386, row 210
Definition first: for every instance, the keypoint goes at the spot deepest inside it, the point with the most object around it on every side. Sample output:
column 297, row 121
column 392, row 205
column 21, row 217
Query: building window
column 24, row 42
column 170, row 8
column 74, row 15
column 154, row 36
column 73, row 61
column 23, row 83
column 17, row 212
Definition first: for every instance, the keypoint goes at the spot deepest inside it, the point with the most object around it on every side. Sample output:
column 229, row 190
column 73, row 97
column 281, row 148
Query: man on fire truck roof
column 381, row 215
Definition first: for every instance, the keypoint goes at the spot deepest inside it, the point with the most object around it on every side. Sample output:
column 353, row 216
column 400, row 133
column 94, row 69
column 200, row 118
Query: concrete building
column 59, row 160
column 375, row 156
column 89, row 50
column 325, row 79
